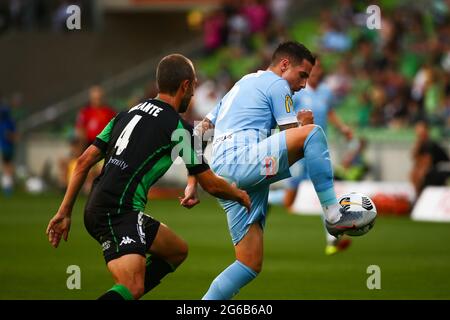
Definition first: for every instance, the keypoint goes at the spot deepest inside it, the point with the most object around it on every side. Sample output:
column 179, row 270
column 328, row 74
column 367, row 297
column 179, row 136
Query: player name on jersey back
column 147, row 107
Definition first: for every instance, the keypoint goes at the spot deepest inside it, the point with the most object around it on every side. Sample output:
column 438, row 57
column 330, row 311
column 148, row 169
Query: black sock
column 111, row 295
column 155, row 270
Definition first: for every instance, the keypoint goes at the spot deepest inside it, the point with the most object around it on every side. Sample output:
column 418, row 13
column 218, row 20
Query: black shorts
column 121, row 234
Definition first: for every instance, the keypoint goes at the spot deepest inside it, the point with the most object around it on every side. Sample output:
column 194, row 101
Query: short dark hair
column 293, row 50
column 172, row 71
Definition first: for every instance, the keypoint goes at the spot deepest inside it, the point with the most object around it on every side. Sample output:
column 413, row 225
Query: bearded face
column 186, row 100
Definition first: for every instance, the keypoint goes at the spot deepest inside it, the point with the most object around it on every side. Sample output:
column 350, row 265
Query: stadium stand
column 385, row 81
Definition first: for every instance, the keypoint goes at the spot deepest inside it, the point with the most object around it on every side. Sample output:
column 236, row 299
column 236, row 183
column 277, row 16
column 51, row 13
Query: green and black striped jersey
column 140, row 146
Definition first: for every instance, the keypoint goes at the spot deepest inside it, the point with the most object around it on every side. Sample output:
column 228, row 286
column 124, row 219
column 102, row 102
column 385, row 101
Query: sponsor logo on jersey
column 222, row 138
column 120, row 163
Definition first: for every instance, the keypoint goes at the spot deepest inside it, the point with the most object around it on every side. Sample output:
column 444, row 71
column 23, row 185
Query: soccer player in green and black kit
column 139, row 147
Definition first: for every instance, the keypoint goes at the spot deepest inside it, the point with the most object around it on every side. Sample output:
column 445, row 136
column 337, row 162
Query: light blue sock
column 318, row 164
column 228, row 283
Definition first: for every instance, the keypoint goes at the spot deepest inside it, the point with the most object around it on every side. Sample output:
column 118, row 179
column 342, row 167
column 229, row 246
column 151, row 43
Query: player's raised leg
column 249, row 257
column 128, row 272
column 309, row 141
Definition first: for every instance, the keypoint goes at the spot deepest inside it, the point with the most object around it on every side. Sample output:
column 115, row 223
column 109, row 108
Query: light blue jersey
column 244, row 151
column 319, row 100
column 249, row 111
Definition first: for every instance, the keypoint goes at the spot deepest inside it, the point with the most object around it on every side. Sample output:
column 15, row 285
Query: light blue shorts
column 254, row 169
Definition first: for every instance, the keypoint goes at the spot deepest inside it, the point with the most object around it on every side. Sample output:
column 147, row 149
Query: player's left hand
column 190, row 198
column 305, row 116
column 58, row 227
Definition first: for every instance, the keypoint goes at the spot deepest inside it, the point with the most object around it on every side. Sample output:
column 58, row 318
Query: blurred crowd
column 397, row 76
column 243, row 34
column 234, row 23
column 391, row 77
column 400, row 72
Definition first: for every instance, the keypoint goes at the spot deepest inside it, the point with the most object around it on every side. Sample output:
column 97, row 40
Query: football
column 357, row 202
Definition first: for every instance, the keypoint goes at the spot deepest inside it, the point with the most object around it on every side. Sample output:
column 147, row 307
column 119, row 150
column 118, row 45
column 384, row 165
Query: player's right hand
column 190, row 198
column 244, row 198
column 58, row 227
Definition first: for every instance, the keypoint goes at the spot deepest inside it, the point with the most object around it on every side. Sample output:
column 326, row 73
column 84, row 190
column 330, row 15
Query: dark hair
column 172, row 71
column 293, row 50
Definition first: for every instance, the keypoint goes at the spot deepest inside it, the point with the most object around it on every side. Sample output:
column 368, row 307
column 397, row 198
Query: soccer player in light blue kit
column 317, row 97
column 245, row 154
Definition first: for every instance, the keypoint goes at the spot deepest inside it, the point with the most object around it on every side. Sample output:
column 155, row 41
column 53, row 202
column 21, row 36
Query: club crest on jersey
column 270, row 167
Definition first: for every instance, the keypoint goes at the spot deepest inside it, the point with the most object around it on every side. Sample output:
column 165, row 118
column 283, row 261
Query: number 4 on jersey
column 124, row 137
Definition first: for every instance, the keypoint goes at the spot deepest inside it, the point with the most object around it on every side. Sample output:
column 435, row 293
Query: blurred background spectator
column 354, row 165
column 8, row 139
column 91, row 120
column 93, row 117
column 431, row 161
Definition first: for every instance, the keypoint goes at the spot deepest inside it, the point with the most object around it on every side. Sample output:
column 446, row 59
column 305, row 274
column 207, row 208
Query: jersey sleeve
column 304, row 100
column 280, row 99
column 212, row 115
column 299, row 102
column 102, row 140
column 190, row 150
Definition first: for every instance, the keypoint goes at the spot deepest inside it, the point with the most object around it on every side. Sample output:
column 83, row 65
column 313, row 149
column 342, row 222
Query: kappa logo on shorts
column 126, row 240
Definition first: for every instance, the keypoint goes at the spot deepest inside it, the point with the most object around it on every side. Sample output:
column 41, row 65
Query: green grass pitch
column 414, row 257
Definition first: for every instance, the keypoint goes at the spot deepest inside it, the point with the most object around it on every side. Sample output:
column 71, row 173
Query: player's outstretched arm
column 345, row 130
column 190, row 198
column 219, row 188
column 59, row 225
